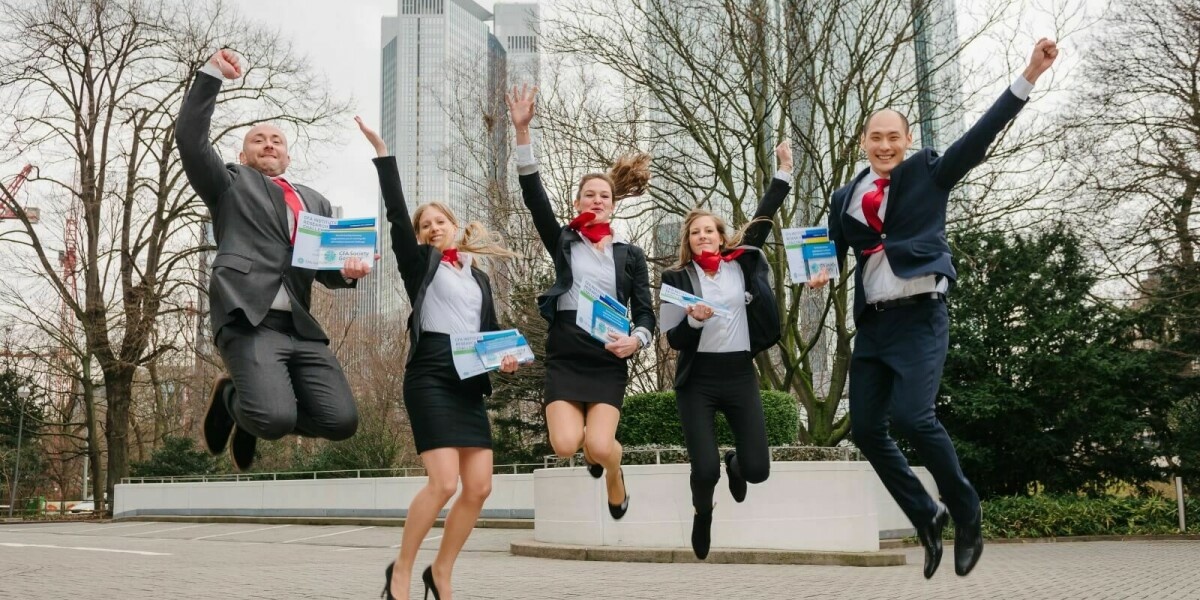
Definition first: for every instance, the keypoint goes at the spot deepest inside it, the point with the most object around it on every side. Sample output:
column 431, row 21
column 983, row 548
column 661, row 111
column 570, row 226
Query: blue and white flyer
column 673, row 295
column 808, row 251
column 477, row 353
column 600, row 314
column 325, row 244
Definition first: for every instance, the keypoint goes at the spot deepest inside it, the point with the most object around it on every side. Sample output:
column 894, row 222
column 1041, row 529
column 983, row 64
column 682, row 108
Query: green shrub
column 1044, row 516
column 653, row 420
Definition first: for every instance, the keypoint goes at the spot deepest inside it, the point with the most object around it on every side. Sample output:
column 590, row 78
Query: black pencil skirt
column 445, row 411
column 579, row 369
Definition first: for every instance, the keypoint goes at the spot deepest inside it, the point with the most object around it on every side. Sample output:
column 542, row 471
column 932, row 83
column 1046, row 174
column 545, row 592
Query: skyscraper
column 441, row 83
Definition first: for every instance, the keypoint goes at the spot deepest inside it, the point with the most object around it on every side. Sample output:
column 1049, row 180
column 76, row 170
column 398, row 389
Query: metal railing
column 513, row 469
column 679, row 455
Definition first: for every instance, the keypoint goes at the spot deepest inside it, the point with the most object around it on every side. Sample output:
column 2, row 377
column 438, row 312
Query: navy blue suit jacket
column 914, row 226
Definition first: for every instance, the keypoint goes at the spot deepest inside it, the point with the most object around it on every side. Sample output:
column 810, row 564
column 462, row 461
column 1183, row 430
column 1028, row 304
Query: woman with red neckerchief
column 450, row 294
column 715, row 369
column 585, row 378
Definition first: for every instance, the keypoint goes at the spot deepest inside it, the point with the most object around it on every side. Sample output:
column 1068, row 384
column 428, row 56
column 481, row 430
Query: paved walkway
column 133, row 561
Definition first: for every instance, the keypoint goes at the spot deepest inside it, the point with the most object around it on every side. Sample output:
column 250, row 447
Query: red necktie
column 592, row 231
column 709, row 261
column 293, row 201
column 450, row 255
column 871, row 203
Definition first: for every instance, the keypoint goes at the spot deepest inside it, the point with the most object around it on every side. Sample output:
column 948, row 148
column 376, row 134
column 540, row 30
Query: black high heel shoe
column 427, row 579
column 387, row 585
column 618, row 510
column 595, row 470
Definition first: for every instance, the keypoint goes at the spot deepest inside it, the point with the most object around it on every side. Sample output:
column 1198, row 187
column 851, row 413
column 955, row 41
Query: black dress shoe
column 387, row 585
column 737, row 483
column 218, row 423
column 931, row 538
column 427, row 579
column 968, row 545
column 618, row 510
column 701, row 534
column 242, row 449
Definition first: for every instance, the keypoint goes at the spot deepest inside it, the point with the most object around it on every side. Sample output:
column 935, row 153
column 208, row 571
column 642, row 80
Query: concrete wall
column 512, row 497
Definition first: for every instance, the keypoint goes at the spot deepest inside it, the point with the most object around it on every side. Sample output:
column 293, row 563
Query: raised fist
column 228, row 62
column 1044, row 53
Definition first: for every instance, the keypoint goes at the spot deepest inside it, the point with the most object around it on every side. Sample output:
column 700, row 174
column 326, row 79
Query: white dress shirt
column 453, row 301
column 726, row 287
column 880, row 283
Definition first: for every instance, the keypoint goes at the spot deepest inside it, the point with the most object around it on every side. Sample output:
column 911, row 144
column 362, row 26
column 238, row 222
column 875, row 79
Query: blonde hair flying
column 475, row 239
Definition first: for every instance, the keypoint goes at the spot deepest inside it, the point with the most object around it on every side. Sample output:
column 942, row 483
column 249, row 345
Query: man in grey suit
column 282, row 376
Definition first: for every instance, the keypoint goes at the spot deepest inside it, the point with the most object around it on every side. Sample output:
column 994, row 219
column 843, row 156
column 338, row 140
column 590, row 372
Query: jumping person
column 715, row 370
column 585, row 378
column 282, row 376
column 894, row 216
column 450, row 294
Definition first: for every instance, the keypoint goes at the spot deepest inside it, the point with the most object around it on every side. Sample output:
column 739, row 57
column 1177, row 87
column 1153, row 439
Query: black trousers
column 895, row 373
column 724, row 382
column 284, row 383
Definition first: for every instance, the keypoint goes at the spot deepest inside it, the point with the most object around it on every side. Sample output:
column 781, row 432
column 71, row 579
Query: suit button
column 883, row 236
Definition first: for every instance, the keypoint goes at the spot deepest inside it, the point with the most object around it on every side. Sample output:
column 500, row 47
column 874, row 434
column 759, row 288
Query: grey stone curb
column 533, row 549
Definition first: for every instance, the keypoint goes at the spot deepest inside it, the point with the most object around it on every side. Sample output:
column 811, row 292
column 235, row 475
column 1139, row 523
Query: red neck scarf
column 710, row 261
column 592, row 231
column 450, row 255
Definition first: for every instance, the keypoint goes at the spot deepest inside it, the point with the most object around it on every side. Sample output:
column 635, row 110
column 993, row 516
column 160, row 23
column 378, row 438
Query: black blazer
column 762, row 313
column 633, row 278
column 914, row 229
column 250, row 224
column 418, row 263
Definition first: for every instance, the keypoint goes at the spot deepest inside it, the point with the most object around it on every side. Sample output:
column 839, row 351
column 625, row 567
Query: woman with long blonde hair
column 715, row 369
column 450, row 294
column 585, row 378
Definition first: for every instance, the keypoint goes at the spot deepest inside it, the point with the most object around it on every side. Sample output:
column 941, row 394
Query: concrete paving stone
column 106, row 561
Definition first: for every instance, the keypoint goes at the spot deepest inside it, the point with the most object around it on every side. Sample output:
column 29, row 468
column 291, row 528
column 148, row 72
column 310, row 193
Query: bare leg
column 442, row 466
column 564, row 420
column 600, row 440
column 475, row 467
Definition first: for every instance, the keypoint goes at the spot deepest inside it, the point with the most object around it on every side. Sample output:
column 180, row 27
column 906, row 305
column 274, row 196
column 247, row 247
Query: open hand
column 376, row 140
column 228, row 62
column 622, row 346
column 1044, row 53
column 522, row 102
column 355, row 268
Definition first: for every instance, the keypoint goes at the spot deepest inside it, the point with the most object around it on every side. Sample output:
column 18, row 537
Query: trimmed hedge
column 1044, row 516
column 653, row 420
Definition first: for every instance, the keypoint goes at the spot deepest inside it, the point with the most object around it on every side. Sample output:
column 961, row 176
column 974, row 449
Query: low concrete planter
column 804, row 506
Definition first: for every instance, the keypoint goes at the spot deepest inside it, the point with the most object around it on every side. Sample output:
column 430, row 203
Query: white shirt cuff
column 527, row 163
column 211, row 69
column 1021, row 87
column 695, row 323
column 785, row 176
column 642, row 334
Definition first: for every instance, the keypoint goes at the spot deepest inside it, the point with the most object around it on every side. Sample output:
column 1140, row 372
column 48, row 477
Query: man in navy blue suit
column 893, row 215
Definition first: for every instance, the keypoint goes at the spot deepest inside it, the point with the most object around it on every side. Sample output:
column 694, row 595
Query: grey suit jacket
column 250, row 224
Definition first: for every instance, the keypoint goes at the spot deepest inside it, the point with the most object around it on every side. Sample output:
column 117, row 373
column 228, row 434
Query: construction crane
column 13, row 186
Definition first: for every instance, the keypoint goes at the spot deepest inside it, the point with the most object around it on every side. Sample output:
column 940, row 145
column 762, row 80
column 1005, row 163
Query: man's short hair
column 902, row 116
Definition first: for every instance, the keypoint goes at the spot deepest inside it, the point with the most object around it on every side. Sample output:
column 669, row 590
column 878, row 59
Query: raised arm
column 777, row 192
column 205, row 170
column 522, row 103
column 968, row 151
column 404, row 237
